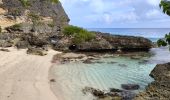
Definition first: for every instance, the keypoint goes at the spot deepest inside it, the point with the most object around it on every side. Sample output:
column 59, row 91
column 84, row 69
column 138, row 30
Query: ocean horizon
column 151, row 33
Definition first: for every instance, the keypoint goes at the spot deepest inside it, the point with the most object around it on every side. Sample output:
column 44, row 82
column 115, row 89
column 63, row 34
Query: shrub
column 79, row 34
column 161, row 42
column 54, row 1
column 25, row 3
column 164, row 42
column 16, row 27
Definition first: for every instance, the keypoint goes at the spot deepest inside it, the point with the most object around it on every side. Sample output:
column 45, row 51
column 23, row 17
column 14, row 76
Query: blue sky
column 116, row 13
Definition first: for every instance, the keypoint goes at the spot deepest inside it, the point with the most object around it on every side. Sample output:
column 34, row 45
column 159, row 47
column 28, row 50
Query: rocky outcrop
column 48, row 16
column 39, row 23
column 113, row 94
column 108, row 42
column 37, row 51
column 160, row 88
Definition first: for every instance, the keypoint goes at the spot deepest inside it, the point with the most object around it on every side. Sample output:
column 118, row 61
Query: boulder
column 22, row 44
column 114, row 94
column 130, row 86
column 5, row 50
column 36, row 51
column 160, row 88
column 105, row 42
column 87, row 61
column 128, row 43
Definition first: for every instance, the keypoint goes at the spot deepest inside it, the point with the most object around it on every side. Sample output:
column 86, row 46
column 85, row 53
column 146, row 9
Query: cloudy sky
column 116, row 13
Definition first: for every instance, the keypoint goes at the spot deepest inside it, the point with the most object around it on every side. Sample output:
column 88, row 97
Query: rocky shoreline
column 37, row 25
column 160, row 88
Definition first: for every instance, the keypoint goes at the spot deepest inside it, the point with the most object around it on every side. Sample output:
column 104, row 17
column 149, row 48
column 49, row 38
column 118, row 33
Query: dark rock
column 52, row 80
column 87, row 61
column 128, row 43
column 128, row 95
column 95, row 92
column 122, row 65
column 4, row 43
column 115, row 90
column 143, row 62
column 112, row 62
column 160, row 88
column 130, row 86
column 114, row 94
column 6, row 50
column 22, row 44
column 36, row 51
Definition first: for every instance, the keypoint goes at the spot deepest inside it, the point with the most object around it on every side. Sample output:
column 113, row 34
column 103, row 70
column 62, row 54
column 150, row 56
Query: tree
column 165, row 6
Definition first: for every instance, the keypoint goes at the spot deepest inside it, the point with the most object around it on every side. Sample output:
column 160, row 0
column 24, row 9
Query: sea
column 71, row 78
column 151, row 33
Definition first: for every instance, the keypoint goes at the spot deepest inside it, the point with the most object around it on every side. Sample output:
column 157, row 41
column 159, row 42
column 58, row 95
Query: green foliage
column 16, row 26
column 34, row 17
column 25, row 3
column 165, row 5
column 79, row 34
column 52, row 24
column 54, row 1
column 167, row 37
column 71, row 30
column 161, row 42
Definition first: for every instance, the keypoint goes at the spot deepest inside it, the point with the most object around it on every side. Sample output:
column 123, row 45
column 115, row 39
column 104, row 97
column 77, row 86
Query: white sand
column 25, row 77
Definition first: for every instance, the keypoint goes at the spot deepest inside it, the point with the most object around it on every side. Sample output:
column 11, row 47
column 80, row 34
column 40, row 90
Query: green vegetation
column 52, row 24
column 165, row 5
column 79, row 34
column 25, row 3
column 16, row 26
column 35, row 18
column 54, row 1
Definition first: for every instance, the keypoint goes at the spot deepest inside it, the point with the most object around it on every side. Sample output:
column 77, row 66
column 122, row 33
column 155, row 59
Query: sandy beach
column 25, row 77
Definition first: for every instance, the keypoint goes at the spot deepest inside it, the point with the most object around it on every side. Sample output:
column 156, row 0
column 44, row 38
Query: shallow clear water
column 73, row 77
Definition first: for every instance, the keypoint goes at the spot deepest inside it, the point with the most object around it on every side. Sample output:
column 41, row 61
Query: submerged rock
column 122, row 65
column 130, row 86
column 88, row 61
column 113, row 94
column 160, row 88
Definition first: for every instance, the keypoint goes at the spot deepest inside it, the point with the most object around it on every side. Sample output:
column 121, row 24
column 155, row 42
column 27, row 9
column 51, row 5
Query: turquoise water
column 71, row 78
column 152, row 33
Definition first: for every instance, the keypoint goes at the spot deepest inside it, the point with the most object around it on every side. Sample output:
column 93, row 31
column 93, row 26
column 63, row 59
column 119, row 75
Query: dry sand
column 25, row 77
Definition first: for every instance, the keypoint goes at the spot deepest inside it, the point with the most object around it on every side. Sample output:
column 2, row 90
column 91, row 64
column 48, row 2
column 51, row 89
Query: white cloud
column 110, row 12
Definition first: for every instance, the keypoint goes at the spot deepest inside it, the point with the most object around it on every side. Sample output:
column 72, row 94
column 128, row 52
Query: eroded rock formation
column 160, row 88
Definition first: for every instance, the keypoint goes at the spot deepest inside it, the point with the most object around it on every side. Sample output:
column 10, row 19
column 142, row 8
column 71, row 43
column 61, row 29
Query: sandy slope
column 25, row 77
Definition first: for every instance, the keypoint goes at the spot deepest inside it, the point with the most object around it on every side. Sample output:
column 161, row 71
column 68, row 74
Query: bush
column 164, row 42
column 54, row 1
column 161, row 42
column 79, row 34
column 25, row 3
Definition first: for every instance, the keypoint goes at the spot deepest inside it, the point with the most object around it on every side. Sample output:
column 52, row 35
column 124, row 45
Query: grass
column 25, row 3
column 54, row 1
column 79, row 34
